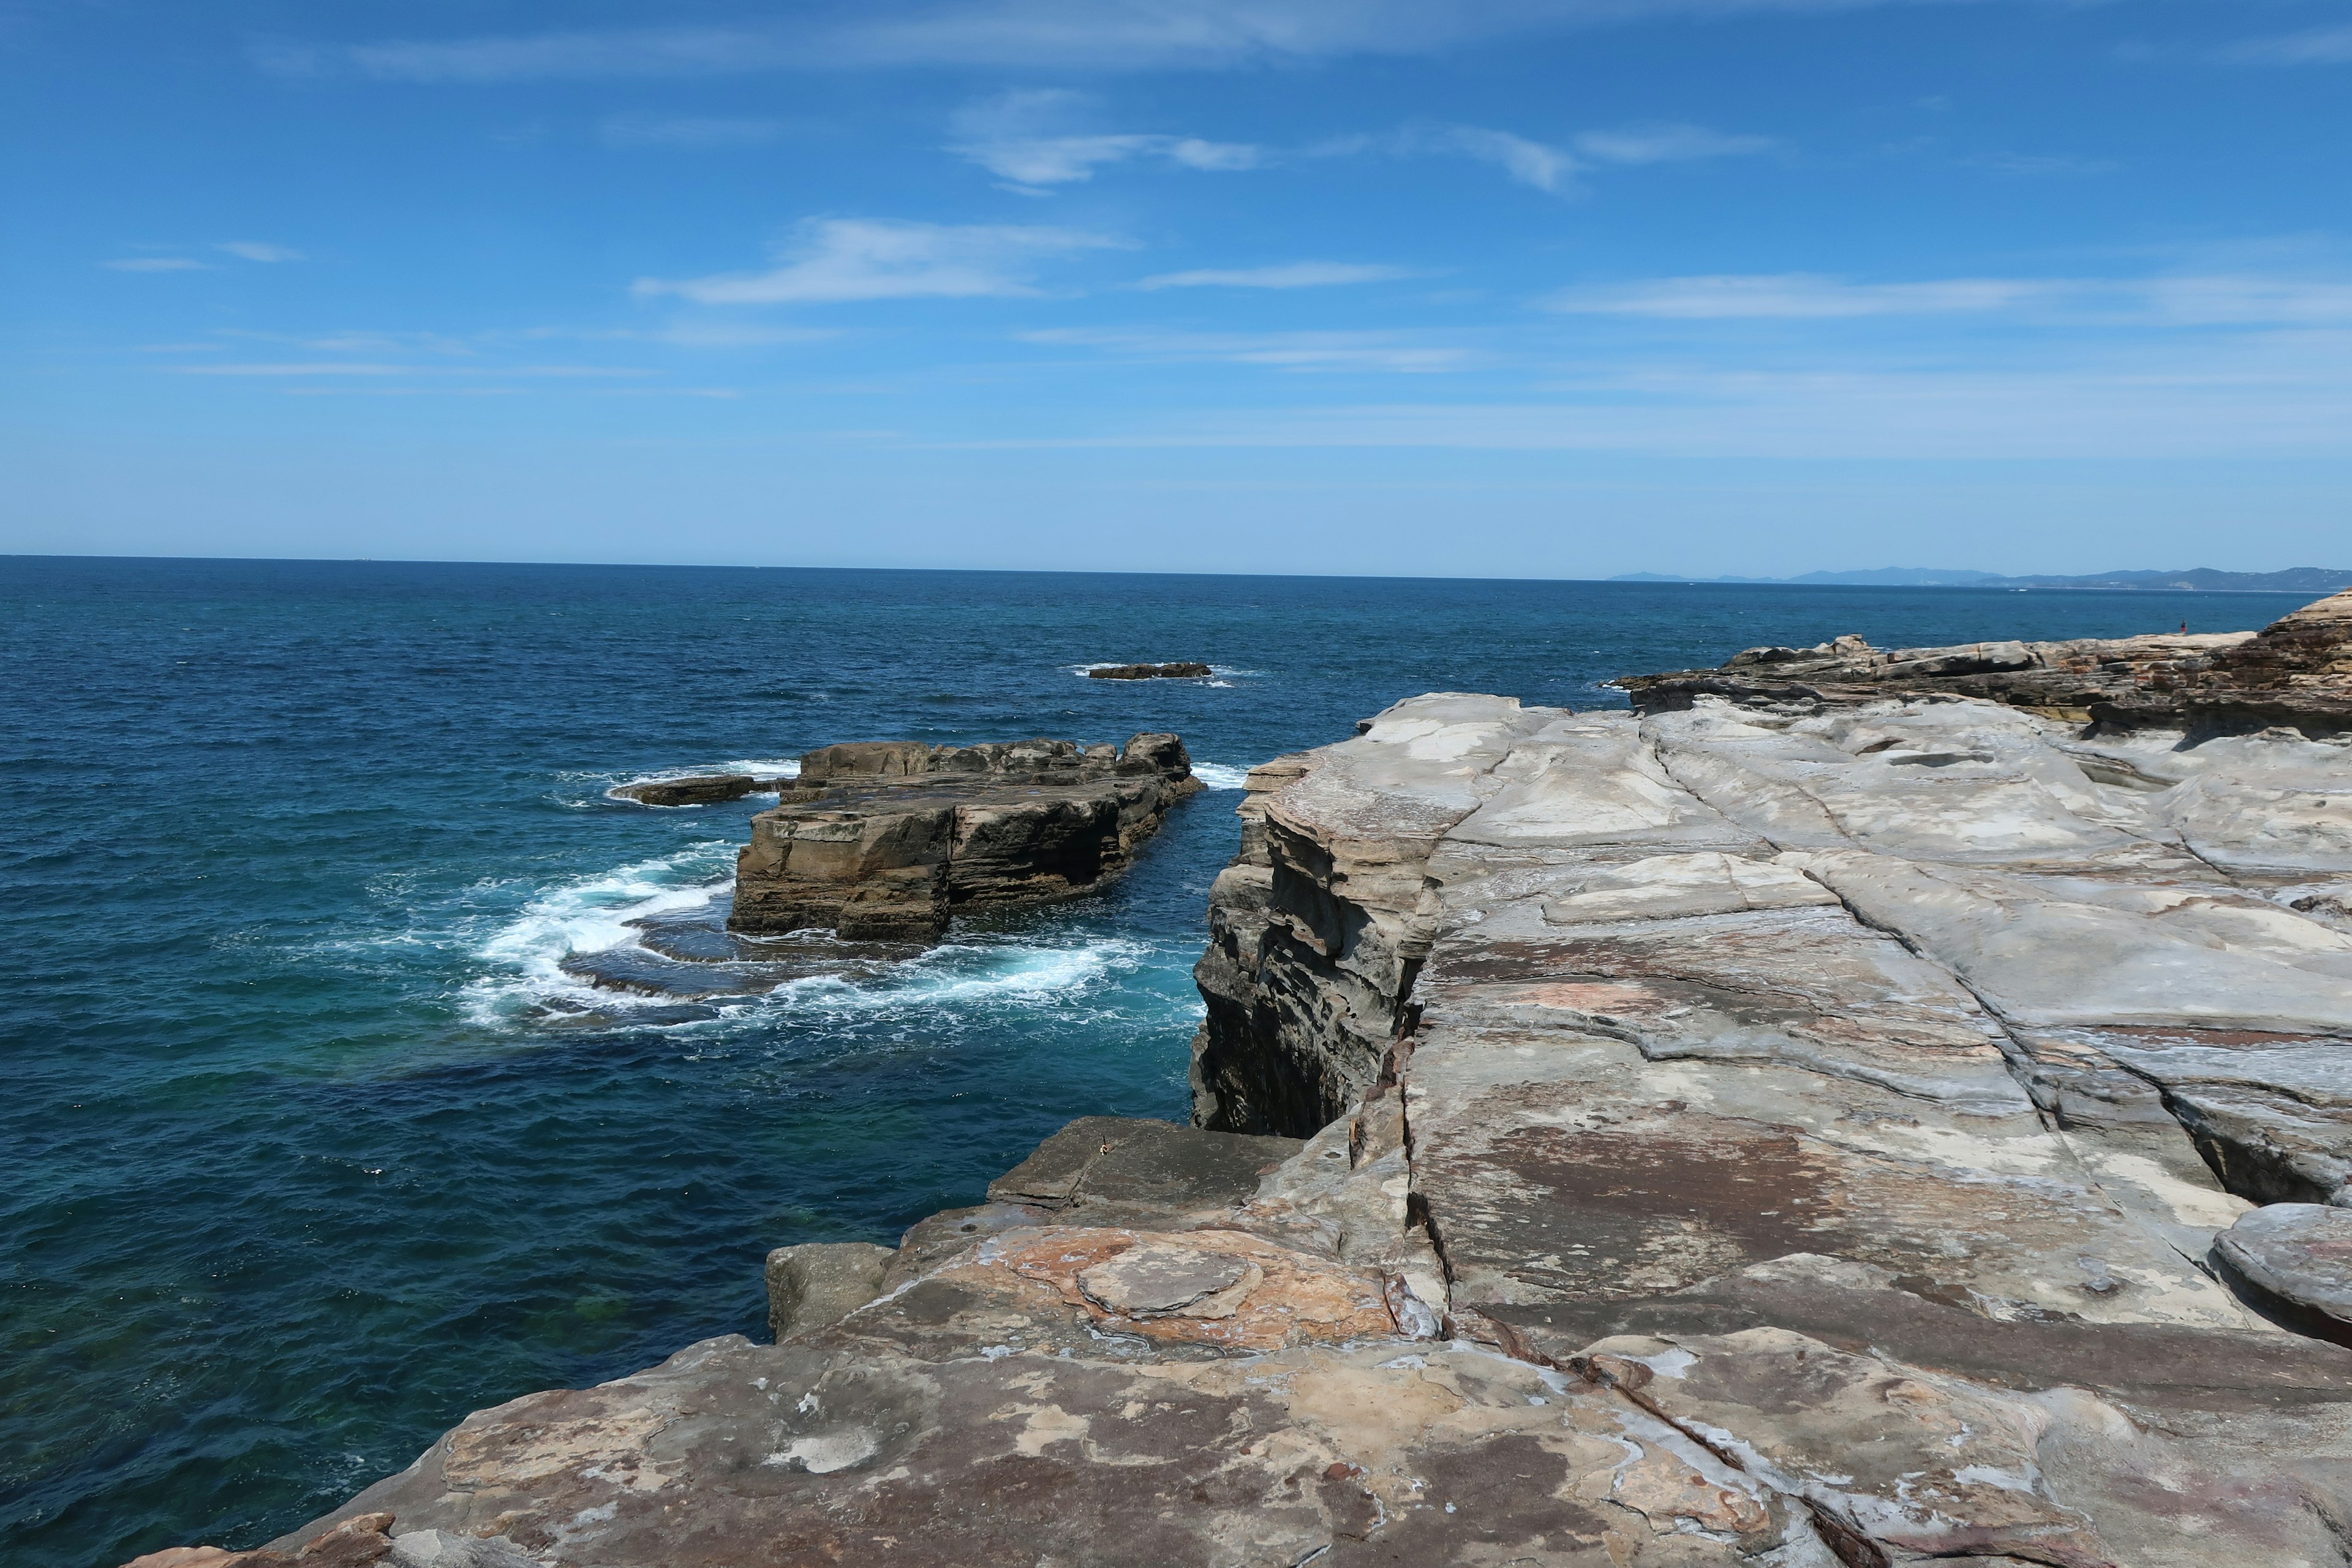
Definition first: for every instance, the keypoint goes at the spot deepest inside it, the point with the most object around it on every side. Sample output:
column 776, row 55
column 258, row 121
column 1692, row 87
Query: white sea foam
column 587, row 914
column 1217, row 775
column 968, row 972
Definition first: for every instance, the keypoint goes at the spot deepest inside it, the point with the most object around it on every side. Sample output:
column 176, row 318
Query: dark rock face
column 1148, row 671
column 2295, row 674
column 889, row 839
column 706, row 789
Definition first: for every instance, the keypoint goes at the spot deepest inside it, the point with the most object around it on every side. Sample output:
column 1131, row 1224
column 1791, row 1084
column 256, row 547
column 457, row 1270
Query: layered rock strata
column 2295, row 673
column 889, row 839
column 1785, row 1135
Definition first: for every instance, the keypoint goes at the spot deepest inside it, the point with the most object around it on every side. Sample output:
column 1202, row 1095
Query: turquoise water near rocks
column 311, row 1144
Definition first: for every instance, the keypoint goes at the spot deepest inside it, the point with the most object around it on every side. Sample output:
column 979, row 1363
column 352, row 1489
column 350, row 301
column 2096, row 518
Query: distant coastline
column 2201, row 579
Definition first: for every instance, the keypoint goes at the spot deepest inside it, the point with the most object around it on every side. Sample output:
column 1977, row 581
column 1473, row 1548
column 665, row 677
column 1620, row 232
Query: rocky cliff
column 889, row 839
column 1783, row 1133
column 2295, row 674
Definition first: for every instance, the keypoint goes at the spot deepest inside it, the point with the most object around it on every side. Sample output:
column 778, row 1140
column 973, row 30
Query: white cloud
column 2186, row 300
column 2225, row 300
column 1024, row 137
column 1530, row 162
column 1086, row 34
column 257, row 250
column 1796, row 296
column 687, row 134
column 1274, row 350
column 2232, row 398
column 838, row 259
column 1290, row 275
column 2320, row 46
column 153, row 264
column 1666, row 143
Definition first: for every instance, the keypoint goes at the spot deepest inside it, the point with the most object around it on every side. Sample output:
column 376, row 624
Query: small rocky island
column 887, row 839
column 1824, row 1117
column 1184, row 670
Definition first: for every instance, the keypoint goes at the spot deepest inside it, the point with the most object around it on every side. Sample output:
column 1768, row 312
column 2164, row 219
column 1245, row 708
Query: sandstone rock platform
column 1770, row 1132
column 890, row 839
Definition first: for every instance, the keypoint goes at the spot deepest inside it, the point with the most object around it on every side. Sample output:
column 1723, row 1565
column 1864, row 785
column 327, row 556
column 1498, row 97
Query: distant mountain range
column 2201, row 579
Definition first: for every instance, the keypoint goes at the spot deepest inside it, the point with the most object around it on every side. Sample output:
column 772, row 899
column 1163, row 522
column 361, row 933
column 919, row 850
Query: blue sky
column 1544, row 287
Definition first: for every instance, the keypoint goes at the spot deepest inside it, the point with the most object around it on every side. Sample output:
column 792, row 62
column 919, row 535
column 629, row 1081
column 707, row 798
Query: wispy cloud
column 833, row 260
column 1530, row 163
column 1277, row 351
column 1026, row 138
column 305, row 368
column 1794, row 296
column 1052, row 35
column 689, row 134
column 259, row 250
column 152, row 264
column 2212, row 300
column 1548, row 167
column 1667, row 143
column 1290, row 274
column 2318, row 47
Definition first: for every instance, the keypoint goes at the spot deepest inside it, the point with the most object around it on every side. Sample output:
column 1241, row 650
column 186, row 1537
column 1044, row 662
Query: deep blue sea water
column 309, row 1144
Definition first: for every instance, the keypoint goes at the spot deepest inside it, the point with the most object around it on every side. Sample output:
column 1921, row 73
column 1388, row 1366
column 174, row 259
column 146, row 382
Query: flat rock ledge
column 2295, row 674
column 889, row 839
column 1761, row 1134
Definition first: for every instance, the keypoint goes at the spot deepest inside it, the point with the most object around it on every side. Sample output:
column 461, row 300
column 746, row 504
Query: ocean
column 319, row 1132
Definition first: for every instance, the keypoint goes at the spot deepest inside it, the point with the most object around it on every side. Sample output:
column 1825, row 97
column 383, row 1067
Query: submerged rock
column 705, row 789
column 1147, row 671
column 901, row 836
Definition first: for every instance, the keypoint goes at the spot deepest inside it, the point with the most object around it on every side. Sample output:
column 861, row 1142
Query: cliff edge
column 1761, row 1132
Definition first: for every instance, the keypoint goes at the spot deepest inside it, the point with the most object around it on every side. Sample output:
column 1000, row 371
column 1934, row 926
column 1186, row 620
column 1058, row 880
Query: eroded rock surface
column 886, row 840
column 1772, row 1134
column 2295, row 673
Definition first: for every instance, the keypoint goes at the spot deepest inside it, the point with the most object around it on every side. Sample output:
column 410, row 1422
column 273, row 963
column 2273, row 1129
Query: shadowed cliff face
column 1775, row 1134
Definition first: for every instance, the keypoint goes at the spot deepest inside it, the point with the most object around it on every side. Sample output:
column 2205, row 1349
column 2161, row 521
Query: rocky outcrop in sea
column 1785, row 1126
column 889, row 839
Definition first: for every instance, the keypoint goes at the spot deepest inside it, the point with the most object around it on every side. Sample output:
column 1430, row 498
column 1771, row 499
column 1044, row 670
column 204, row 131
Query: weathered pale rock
column 902, row 835
column 2299, row 1253
column 441, row 1549
column 821, row 1282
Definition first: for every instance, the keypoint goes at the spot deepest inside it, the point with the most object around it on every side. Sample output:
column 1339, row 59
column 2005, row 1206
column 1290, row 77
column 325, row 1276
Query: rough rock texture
column 2300, row 1256
column 2295, row 674
column 1791, row 1135
column 1180, row 671
column 821, row 1282
column 702, row 789
column 889, row 839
